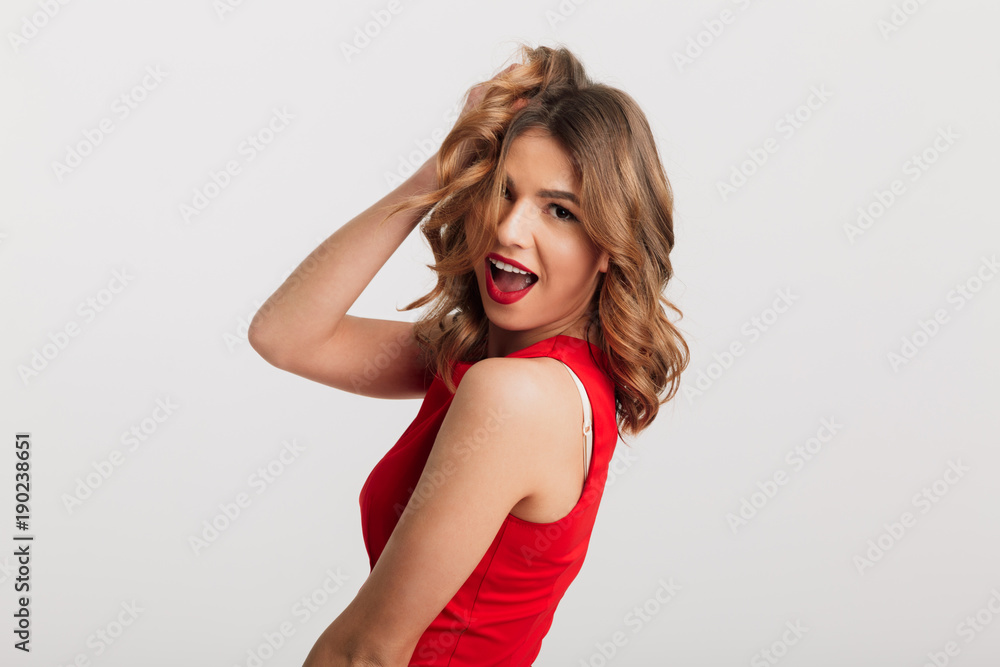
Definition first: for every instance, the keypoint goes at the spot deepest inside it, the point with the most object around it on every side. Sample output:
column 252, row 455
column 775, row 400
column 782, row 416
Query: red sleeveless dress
column 504, row 609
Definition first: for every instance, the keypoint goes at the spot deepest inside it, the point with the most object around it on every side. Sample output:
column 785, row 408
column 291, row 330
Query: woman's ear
column 602, row 261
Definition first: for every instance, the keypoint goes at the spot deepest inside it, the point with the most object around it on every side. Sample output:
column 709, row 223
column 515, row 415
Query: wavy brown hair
column 627, row 207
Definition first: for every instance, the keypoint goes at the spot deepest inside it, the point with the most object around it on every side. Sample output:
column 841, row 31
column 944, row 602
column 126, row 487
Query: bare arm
column 294, row 328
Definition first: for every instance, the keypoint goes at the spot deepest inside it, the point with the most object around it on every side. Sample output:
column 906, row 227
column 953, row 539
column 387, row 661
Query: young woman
column 550, row 218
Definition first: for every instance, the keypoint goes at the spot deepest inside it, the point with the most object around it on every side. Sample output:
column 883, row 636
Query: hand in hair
column 475, row 95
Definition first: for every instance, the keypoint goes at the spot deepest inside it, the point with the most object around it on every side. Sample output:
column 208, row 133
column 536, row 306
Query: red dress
column 504, row 609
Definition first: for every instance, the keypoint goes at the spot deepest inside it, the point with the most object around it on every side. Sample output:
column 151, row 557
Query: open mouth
column 508, row 278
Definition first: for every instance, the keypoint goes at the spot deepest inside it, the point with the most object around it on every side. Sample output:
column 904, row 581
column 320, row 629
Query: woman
column 549, row 215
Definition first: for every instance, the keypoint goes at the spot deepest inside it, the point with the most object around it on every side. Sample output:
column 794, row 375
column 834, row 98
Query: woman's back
column 504, row 609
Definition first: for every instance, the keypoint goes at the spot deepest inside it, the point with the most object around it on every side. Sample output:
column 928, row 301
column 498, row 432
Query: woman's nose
column 515, row 227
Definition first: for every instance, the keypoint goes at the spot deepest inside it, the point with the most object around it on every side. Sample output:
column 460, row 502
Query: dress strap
column 587, row 430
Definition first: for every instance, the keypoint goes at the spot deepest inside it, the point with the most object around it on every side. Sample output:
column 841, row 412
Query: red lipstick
column 494, row 292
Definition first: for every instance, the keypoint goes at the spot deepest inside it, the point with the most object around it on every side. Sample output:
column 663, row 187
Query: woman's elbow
column 263, row 342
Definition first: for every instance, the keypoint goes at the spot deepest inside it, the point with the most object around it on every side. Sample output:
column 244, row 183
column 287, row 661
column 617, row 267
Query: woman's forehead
column 540, row 158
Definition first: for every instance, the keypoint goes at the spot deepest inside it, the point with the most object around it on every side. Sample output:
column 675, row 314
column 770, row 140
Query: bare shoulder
column 533, row 385
column 536, row 403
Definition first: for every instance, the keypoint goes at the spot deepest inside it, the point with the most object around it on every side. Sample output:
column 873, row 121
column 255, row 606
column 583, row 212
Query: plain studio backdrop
column 822, row 491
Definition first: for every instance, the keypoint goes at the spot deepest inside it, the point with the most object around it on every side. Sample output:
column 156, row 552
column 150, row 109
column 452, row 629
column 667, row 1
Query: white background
column 176, row 330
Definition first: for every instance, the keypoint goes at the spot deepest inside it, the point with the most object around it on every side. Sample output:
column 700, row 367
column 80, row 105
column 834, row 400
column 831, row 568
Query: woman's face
column 540, row 230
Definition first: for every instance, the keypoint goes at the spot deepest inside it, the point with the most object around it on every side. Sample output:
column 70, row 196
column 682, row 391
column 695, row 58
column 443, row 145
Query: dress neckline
column 572, row 340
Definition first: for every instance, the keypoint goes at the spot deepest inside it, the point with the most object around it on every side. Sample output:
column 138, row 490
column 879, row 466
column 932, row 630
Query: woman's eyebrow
column 549, row 194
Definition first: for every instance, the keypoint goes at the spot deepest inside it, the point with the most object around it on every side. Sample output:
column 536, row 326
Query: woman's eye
column 559, row 211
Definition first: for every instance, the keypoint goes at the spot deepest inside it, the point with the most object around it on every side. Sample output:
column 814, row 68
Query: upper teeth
column 507, row 267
